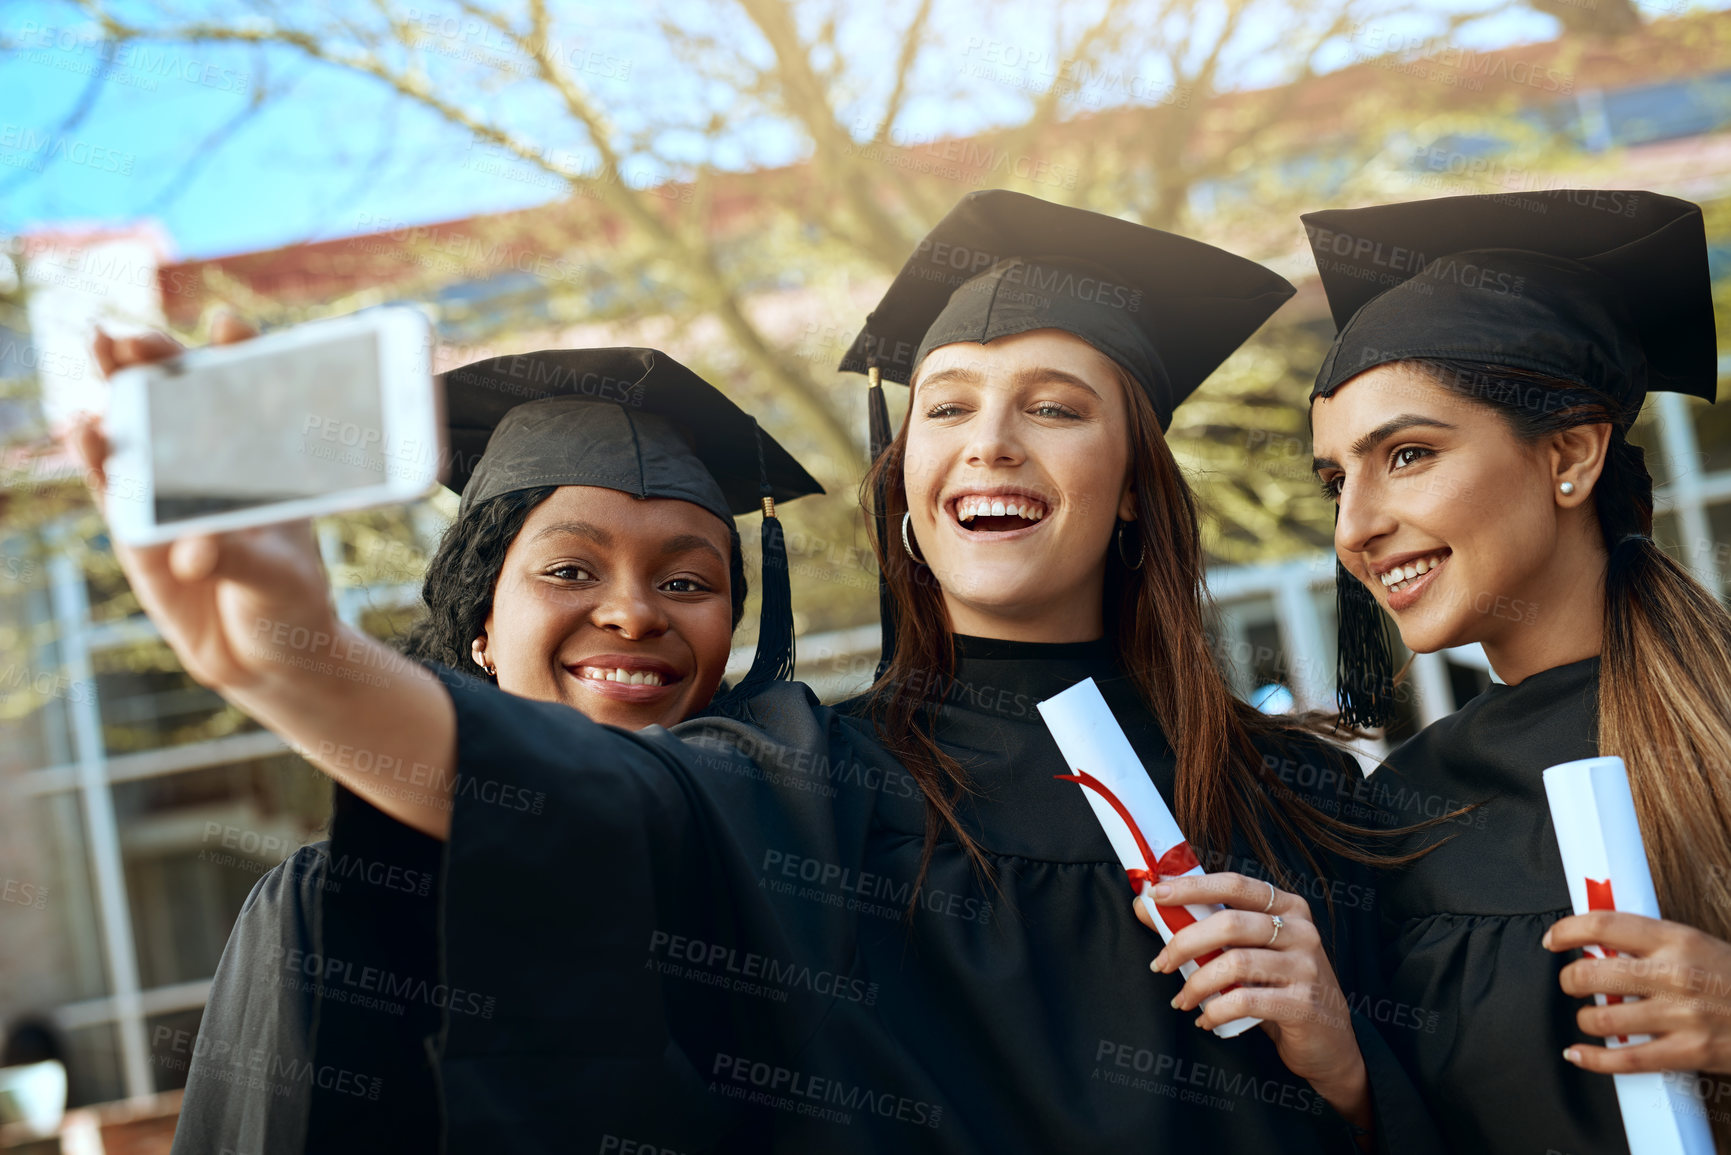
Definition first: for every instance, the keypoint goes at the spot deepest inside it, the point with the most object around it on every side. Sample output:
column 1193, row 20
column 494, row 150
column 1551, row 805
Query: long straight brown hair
column 1156, row 615
column 1665, row 667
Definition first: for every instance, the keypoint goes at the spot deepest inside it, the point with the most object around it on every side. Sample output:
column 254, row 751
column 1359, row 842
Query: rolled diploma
column 1093, row 743
column 1606, row 865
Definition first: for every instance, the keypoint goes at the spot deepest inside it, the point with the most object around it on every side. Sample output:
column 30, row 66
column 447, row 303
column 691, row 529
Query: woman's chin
column 1429, row 639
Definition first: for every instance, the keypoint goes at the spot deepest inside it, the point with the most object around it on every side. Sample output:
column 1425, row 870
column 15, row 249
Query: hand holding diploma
column 1638, row 966
column 1250, row 953
column 1288, row 984
column 1675, row 985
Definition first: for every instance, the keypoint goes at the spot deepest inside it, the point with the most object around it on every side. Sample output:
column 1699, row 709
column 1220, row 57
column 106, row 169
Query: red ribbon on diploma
column 1176, row 861
column 1599, row 898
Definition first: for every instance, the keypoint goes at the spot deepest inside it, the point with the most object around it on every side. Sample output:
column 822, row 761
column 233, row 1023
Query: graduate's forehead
column 1344, row 422
column 1039, row 355
column 612, row 519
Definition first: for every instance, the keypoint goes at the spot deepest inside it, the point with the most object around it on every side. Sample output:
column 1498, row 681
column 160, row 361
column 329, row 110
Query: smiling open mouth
column 1401, row 578
column 625, row 677
column 999, row 513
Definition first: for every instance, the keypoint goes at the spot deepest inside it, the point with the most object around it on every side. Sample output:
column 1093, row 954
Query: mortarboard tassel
column 878, row 415
column 774, row 658
column 1366, row 661
column 878, row 411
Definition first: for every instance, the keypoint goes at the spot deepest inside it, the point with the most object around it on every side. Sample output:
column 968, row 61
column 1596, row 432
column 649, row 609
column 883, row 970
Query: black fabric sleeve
column 248, row 1085
column 575, row 848
column 379, row 997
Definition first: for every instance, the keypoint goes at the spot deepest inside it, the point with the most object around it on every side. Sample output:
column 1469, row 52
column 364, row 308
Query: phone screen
column 296, row 424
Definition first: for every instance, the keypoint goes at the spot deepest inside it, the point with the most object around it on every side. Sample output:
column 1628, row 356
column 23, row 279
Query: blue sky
column 181, row 135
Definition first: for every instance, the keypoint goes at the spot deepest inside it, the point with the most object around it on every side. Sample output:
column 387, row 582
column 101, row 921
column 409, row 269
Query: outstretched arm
column 249, row 615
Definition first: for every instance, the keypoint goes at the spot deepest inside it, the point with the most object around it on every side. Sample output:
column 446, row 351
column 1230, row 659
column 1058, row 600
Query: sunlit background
column 733, row 181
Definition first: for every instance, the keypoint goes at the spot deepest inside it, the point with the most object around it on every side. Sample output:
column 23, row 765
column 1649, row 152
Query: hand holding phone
column 333, row 415
column 219, row 600
column 235, row 608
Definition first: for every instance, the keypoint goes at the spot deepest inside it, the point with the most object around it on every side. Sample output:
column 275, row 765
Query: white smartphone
column 324, row 417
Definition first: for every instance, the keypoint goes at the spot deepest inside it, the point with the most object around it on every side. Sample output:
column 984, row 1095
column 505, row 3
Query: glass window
column 171, row 1038
column 1719, row 549
column 149, row 702
column 1713, row 434
column 1235, row 652
column 93, row 1066
column 50, row 942
column 33, row 694
column 105, row 585
column 1653, row 112
column 196, row 843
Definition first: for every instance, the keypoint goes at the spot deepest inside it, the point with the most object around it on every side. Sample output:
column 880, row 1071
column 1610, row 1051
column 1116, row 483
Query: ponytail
column 1665, row 709
column 1665, row 667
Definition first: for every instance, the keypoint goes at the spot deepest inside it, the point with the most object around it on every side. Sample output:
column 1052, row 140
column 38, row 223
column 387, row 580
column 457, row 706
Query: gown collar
column 1555, row 678
column 1031, row 671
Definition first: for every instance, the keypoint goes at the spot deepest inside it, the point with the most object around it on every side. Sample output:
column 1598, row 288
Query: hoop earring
column 907, row 542
column 1141, row 551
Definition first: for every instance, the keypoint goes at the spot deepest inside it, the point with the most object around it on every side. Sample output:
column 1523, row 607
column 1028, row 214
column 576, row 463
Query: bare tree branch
column 912, row 41
column 705, row 278
column 806, row 98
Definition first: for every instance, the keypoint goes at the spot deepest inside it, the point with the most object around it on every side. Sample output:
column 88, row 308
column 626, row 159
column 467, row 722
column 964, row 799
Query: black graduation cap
column 637, row 421
column 1167, row 308
column 1604, row 288
column 1608, row 289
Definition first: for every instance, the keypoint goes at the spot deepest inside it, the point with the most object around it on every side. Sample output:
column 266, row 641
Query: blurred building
column 141, row 809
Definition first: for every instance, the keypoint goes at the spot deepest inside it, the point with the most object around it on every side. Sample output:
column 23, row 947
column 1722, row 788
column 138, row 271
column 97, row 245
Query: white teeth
column 1400, row 576
column 969, row 508
column 624, row 677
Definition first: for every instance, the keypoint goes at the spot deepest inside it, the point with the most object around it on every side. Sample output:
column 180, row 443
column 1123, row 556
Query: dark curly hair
column 469, row 559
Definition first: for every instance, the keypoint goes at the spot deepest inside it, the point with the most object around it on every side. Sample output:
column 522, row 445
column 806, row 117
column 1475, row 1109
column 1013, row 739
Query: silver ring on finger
column 1278, row 923
column 1270, row 905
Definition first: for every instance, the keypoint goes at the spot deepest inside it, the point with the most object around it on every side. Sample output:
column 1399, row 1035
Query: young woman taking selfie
column 558, row 581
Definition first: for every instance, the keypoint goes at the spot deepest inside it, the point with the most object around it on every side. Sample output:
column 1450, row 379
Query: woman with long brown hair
column 1472, row 422
column 805, row 929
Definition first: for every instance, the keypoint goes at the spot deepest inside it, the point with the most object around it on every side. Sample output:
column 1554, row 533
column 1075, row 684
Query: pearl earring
column 1567, row 487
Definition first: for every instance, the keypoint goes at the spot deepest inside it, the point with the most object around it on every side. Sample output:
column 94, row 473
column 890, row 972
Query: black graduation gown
column 316, row 1035
column 1463, row 924
column 699, row 941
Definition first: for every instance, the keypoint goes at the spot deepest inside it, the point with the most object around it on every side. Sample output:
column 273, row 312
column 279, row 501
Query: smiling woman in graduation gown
column 1473, row 416
column 318, row 1030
